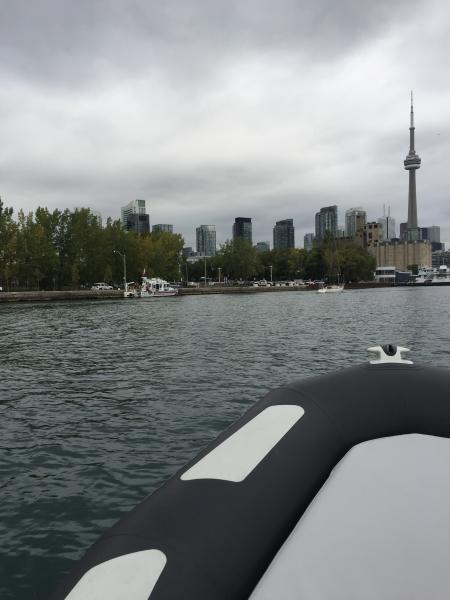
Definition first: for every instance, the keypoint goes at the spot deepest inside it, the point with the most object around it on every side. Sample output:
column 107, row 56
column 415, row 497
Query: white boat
column 150, row 287
column 441, row 275
column 433, row 276
column 330, row 289
column 424, row 275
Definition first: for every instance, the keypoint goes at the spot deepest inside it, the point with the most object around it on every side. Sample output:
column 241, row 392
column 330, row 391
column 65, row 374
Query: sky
column 211, row 110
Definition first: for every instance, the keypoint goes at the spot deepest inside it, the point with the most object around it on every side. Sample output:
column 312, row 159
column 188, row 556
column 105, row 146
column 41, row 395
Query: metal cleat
column 389, row 354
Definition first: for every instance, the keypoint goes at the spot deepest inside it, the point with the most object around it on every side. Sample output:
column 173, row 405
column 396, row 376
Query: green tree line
column 69, row 249
column 331, row 261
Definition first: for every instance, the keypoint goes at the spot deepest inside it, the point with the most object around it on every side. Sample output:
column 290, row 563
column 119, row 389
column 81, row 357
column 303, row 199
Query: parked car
column 101, row 286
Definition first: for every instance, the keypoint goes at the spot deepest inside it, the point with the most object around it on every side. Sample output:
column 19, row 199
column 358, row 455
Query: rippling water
column 102, row 401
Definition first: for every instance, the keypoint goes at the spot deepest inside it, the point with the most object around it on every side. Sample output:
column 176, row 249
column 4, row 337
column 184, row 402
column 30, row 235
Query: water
column 100, row 402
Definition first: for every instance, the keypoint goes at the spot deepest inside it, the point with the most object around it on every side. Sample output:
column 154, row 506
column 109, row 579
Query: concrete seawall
column 48, row 296
column 255, row 290
column 44, row 296
column 215, row 289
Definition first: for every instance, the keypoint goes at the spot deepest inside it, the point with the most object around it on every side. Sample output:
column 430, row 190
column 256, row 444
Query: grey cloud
column 102, row 102
column 66, row 42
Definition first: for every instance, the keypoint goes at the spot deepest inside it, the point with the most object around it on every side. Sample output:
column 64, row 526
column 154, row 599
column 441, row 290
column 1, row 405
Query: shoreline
column 53, row 295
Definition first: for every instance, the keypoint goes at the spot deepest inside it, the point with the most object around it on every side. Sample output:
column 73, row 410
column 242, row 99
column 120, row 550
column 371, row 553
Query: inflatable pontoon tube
column 335, row 486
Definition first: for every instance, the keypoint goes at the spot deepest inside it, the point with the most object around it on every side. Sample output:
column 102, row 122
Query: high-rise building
column 340, row 231
column 308, row 241
column 134, row 217
column 432, row 233
column 412, row 163
column 162, row 228
column 370, row 234
column 403, row 231
column 439, row 258
column 388, row 225
column 262, row 246
column 188, row 251
column 326, row 221
column 355, row 218
column 242, row 228
column 284, row 234
column 206, row 240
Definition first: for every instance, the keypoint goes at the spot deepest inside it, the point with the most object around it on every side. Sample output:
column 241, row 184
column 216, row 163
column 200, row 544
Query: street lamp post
column 124, row 269
column 219, row 269
column 205, row 269
column 270, row 267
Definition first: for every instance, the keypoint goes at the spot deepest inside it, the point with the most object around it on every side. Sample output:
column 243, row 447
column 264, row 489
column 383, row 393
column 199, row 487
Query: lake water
column 101, row 401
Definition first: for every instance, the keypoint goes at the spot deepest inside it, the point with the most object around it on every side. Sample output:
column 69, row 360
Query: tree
column 126, row 242
column 239, row 259
column 316, row 267
column 356, row 263
column 287, row 263
column 160, row 253
column 8, row 245
column 108, row 274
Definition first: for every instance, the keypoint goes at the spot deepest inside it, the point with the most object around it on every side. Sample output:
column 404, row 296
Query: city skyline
column 327, row 218
column 267, row 111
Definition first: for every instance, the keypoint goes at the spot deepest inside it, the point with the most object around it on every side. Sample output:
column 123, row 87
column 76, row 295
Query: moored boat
column 150, row 287
column 327, row 289
column 439, row 276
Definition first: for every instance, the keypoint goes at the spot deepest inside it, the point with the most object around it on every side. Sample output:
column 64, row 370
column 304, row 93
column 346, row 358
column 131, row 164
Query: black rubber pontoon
column 367, row 449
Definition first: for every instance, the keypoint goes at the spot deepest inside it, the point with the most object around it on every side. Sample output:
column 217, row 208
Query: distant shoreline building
column 308, row 241
column 162, row 228
column 370, row 234
column 206, row 240
column 388, row 225
column 262, row 246
column 188, row 251
column 326, row 221
column 355, row 219
column 401, row 254
column 403, row 231
column 242, row 228
column 433, row 235
column 134, row 217
column 440, row 257
column 284, row 234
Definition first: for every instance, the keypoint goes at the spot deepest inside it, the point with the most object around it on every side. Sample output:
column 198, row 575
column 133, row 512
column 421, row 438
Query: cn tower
column 412, row 162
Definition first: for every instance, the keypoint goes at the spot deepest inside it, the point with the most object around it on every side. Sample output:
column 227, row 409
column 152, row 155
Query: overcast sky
column 212, row 109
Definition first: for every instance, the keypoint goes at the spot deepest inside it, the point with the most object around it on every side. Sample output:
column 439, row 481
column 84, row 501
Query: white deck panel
column 378, row 528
